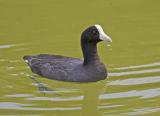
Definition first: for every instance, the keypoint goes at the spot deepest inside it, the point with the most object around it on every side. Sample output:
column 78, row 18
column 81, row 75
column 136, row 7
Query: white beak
column 102, row 35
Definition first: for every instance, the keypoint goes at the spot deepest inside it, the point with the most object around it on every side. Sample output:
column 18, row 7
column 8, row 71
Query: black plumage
column 73, row 69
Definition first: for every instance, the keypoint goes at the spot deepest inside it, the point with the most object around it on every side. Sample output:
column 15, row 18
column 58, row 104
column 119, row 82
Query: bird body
column 72, row 69
column 63, row 68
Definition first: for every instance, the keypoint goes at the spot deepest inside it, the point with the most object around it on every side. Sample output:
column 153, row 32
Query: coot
column 73, row 69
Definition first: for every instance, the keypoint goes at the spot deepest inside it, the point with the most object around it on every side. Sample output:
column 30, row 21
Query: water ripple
column 19, row 95
column 18, row 106
column 134, row 72
column 6, row 46
column 12, row 105
column 56, row 98
column 136, row 81
column 143, row 111
column 139, row 66
column 150, row 93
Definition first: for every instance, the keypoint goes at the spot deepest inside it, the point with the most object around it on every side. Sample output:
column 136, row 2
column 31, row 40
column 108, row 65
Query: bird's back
column 53, row 66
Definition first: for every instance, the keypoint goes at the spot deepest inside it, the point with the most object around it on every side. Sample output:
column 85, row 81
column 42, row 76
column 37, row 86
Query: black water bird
column 73, row 69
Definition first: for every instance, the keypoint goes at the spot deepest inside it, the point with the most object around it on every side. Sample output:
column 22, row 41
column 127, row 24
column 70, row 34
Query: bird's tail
column 27, row 59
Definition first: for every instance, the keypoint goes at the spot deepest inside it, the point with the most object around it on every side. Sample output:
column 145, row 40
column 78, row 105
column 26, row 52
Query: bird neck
column 90, row 53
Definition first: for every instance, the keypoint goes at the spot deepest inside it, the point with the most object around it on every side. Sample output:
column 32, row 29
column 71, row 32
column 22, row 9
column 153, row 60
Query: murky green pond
column 54, row 27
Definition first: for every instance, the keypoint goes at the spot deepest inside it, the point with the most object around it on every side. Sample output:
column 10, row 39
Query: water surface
column 54, row 27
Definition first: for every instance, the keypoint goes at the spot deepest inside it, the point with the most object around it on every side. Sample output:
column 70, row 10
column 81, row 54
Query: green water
column 54, row 27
